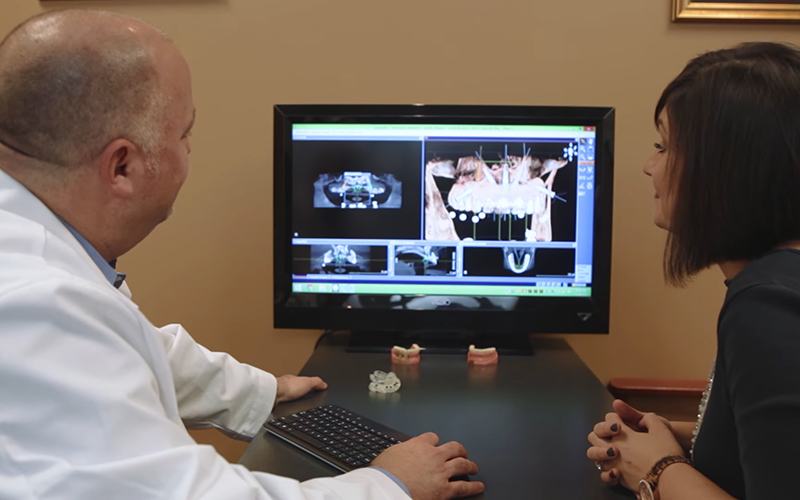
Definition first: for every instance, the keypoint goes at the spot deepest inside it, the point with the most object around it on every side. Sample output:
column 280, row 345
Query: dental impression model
column 482, row 357
column 403, row 356
column 383, row 382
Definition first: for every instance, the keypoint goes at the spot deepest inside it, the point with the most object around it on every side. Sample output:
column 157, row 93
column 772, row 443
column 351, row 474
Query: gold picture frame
column 691, row 10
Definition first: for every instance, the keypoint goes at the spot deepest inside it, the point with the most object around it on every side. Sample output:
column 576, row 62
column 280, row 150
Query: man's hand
column 291, row 387
column 426, row 469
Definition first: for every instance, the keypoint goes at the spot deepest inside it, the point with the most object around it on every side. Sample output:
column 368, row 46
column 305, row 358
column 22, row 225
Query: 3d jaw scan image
column 424, row 260
column 501, row 191
column 357, row 189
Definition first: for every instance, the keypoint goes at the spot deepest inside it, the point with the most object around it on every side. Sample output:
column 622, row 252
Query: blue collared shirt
column 107, row 268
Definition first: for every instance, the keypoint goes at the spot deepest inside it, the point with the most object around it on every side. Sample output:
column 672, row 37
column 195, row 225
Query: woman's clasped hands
column 626, row 445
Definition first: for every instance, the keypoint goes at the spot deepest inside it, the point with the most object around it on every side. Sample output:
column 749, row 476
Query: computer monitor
column 443, row 222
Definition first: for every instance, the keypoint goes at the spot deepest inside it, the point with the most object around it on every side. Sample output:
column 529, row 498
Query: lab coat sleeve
column 214, row 389
column 87, row 413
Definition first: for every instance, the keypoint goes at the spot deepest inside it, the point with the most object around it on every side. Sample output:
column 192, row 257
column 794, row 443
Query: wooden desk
column 524, row 421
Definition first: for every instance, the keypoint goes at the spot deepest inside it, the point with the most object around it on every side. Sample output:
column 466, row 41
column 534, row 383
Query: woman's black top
column 749, row 442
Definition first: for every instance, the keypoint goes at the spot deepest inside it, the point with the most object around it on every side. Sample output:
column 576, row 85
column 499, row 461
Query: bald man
column 95, row 116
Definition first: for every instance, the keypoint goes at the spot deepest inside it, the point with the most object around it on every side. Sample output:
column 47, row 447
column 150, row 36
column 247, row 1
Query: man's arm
column 215, row 389
column 89, row 413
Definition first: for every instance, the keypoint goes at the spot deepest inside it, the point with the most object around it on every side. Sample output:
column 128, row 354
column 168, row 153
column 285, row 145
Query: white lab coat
column 93, row 398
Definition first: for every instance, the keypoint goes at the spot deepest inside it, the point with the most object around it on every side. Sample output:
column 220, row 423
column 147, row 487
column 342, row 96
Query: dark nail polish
column 612, row 474
column 614, row 427
column 611, row 452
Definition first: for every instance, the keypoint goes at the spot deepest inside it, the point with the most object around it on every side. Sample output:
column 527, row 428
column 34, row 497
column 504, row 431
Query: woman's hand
column 604, row 432
column 603, row 453
column 633, row 453
column 630, row 416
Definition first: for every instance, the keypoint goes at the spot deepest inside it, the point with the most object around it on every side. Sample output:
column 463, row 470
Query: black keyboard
column 336, row 436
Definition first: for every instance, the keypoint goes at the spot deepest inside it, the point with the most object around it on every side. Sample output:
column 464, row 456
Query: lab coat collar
column 17, row 200
column 107, row 268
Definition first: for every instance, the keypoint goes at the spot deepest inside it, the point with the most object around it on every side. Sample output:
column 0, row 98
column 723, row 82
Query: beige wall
column 210, row 266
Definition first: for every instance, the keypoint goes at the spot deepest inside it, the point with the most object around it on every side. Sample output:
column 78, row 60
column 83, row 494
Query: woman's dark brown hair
column 733, row 163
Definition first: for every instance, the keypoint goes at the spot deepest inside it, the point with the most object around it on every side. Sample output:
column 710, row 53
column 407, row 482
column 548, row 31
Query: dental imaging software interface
column 437, row 209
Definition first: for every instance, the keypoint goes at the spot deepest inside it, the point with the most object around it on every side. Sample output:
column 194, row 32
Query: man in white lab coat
column 95, row 115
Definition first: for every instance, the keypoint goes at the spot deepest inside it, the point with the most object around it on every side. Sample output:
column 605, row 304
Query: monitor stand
column 438, row 342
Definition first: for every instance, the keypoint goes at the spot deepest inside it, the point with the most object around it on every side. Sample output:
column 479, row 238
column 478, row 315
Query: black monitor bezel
column 549, row 315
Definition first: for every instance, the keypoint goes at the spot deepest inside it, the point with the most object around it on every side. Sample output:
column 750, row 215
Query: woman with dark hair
column 727, row 189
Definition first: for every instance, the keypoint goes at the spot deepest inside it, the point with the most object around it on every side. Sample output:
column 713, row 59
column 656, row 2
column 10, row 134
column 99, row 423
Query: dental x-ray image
column 424, row 260
column 518, row 260
column 348, row 259
column 357, row 189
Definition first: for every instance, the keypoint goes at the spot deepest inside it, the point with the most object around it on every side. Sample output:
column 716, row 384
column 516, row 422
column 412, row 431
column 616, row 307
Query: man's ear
column 121, row 166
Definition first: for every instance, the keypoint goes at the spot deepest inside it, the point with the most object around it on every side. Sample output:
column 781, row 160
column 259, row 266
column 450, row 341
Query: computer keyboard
column 336, row 436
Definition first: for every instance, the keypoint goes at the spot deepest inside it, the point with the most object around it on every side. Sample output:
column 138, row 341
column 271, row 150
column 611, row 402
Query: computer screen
column 438, row 217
